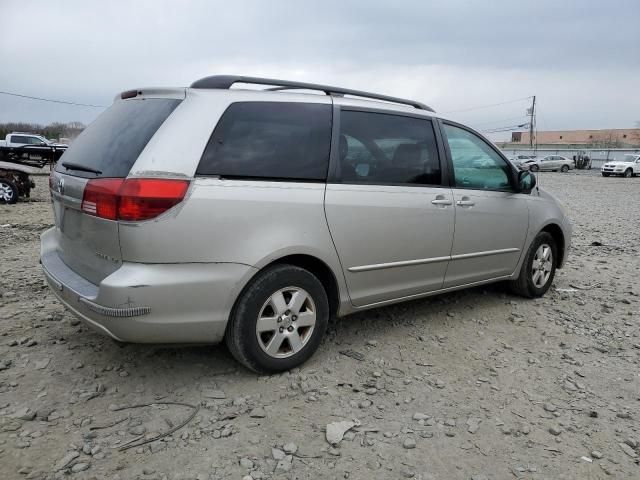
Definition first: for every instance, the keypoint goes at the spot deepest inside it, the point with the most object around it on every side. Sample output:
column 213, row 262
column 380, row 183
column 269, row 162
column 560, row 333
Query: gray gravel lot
column 472, row 385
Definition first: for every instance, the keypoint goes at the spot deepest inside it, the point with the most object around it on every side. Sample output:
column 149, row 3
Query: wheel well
column 321, row 271
column 556, row 232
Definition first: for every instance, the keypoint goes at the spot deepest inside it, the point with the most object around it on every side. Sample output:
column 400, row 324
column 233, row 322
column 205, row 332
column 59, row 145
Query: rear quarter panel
column 237, row 221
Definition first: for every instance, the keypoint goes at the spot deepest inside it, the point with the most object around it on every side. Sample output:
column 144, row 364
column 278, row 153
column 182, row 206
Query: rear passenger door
column 389, row 211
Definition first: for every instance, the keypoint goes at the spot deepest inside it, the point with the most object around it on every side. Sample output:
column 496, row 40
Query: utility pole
column 532, row 122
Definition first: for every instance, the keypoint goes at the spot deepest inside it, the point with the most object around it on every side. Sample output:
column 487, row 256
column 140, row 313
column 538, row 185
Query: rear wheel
column 534, row 168
column 564, row 169
column 628, row 173
column 279, row 319
column 8, row 192
column 538, row 269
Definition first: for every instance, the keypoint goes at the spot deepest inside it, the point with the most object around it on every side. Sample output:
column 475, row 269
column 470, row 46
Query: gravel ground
column 472, row 385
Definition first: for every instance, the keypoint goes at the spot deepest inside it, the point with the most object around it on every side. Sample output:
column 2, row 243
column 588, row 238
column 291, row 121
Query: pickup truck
column 19, row 153
column 20, row 139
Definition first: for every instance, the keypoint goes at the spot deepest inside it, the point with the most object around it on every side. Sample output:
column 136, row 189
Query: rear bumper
column 150, row 303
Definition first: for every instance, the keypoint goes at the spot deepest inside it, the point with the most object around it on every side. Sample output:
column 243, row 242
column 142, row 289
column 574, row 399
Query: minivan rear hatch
column 87, row 241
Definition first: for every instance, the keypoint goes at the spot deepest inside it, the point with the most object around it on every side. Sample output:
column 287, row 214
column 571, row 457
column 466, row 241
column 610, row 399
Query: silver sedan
column 550, row 163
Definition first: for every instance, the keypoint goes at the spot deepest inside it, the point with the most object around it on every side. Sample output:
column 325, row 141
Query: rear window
column 270, row 140
column 112, row 143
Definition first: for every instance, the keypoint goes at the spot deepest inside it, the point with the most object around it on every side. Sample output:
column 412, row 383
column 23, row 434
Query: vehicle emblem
column 61, row 186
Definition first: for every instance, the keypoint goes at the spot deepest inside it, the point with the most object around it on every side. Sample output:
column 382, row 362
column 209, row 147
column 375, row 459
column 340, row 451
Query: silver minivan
column 193, row 215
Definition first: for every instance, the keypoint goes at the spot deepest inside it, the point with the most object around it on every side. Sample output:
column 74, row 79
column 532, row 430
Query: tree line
column 53, row 131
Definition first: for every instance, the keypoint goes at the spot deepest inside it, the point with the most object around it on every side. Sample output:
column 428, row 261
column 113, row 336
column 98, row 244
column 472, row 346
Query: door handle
column 465, row 202
column 442, row 201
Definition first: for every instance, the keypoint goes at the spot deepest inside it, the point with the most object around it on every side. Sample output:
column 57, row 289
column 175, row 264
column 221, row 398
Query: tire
column 256, row 305
column 8, row 192
column 524, row 285
column 534, row 168
column 606, row 174
column 564, row 169
column 628, row 173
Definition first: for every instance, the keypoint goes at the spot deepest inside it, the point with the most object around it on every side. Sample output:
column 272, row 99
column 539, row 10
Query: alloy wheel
column 6, row 192
column 286, row 322
column 542, row 265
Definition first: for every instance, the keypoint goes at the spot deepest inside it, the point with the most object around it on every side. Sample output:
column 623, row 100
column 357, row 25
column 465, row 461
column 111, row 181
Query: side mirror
column 526, row 181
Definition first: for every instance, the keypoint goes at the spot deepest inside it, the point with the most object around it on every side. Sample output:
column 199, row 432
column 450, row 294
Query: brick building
column 611, row 138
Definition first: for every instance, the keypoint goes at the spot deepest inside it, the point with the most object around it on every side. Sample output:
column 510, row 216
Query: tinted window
column 112, row 143
column 18, row 139
column 270, row 140
column 475, row 164
column 388, row 149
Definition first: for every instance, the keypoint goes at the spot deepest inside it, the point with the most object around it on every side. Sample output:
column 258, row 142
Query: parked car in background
column 20, row 154
column 518, row 160
column 628, row 167
column 30, row 150
column 252, row 216
column 21, row 139
column 550, row 163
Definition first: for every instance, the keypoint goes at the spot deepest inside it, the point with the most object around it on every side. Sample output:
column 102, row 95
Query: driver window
column 475, row 164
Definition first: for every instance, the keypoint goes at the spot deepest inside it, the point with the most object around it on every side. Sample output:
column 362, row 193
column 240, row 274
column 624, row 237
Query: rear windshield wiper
column 81, row 168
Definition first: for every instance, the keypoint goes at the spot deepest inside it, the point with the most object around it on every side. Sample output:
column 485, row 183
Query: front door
column 491, row 219
column 390, row 216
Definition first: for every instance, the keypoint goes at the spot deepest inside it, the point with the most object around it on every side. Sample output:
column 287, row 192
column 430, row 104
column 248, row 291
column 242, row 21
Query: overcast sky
column 581, row 58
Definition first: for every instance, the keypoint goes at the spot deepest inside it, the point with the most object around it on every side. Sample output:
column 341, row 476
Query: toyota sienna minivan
column 210, row 213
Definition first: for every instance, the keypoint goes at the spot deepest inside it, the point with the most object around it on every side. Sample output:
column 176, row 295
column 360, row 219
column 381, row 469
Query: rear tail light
column 132, row 199
column 100, row 197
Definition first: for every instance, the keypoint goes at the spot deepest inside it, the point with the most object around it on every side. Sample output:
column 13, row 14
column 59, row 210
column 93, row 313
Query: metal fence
column 598, row 156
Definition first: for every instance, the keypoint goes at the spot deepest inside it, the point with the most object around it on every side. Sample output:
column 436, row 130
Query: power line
column 506, row 128
column 490, row 105
column 51, row 100
column 519, row 117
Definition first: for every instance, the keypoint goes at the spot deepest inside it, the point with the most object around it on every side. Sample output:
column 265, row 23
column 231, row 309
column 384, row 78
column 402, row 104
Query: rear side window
column 112, row 143
column 270, row 140
column 388, row 149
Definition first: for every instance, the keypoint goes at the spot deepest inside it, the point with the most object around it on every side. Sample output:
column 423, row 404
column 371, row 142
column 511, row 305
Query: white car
column 520, row 159
column 21, row 139
column 550, row 163
column 627, row 168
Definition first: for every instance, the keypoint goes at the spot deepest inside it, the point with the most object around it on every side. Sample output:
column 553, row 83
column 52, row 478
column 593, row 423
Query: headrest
column 406, row 154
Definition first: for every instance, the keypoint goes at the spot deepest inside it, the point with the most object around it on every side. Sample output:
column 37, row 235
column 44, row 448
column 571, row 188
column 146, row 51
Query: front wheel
column 534, row 168
column 564, row 169
column 538, row 269
column 278, row 320
column 628, row 173
column 8, row 192
column 605, row 174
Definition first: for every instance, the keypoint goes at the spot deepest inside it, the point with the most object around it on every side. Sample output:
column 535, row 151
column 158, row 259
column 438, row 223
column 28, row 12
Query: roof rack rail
column 225, row 82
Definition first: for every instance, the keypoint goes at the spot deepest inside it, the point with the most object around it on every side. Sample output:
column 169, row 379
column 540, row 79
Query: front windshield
column 630, row 158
